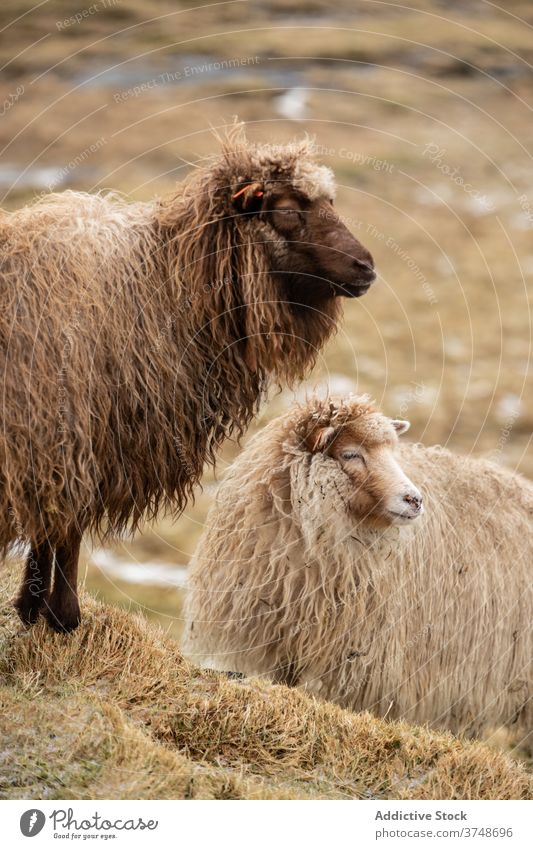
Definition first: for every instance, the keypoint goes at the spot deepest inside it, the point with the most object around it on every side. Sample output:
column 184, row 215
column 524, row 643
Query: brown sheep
column 136, row 337
column 320, row 566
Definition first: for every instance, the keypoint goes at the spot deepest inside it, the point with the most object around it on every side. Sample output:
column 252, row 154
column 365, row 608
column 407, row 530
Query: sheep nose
column 414, row 501
column 360, row 263
column 363, row 258
column 365, row 269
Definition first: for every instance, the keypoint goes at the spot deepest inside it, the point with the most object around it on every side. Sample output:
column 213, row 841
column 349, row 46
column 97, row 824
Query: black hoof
column 29, row 607
column 235, row 676
column 63, row 621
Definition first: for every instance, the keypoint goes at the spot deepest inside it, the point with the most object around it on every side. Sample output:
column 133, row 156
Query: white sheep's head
column 363, row 442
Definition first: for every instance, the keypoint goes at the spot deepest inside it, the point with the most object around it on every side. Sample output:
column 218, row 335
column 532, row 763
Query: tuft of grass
column 115, row 711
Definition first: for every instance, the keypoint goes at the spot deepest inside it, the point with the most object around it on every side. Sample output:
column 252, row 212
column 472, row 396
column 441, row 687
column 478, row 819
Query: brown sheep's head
column 255, row 242
column 364, row 447
column 312, row 254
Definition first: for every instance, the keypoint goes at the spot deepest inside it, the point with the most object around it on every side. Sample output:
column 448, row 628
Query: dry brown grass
column 114, row 711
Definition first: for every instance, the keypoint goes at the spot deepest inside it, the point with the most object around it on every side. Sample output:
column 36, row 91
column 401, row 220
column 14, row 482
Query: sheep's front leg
column 63, row 610
column 35, row 587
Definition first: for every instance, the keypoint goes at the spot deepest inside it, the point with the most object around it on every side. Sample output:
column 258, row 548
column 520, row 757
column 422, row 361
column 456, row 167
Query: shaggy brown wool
column 429, row 621
column 136, row 337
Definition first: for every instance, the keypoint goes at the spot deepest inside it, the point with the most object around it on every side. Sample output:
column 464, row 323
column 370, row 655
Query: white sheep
column 320, row 567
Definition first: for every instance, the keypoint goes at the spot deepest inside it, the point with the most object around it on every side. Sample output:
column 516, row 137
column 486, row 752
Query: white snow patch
column 137, row 572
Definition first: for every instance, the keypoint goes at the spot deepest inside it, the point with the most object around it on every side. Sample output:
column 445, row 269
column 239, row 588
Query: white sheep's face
column 365, row 450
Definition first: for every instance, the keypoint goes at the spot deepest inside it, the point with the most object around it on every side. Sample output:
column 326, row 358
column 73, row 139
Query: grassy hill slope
column 114, row 711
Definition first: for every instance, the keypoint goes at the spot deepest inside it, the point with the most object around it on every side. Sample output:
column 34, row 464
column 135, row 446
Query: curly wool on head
column 428, row 621
column 278, row 340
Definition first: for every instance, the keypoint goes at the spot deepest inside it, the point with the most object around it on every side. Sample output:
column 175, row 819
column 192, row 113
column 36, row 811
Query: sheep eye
column 287, row 218
column 352, row 455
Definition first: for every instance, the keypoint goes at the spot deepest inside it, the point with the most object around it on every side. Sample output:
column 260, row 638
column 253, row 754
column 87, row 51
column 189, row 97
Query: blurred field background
column 422, row 109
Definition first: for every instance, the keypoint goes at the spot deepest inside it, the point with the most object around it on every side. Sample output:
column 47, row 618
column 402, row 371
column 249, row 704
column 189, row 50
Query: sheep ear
column 321, row 440
column 400, row 425
column 249, row 198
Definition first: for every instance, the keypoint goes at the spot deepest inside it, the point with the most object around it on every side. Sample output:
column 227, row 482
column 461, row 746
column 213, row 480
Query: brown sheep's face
column 365, row 450
column 311, row 252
